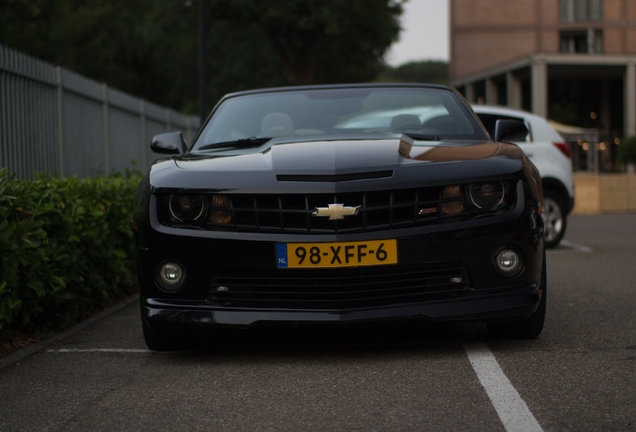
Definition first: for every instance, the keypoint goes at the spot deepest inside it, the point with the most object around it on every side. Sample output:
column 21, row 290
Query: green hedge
column 66, row 249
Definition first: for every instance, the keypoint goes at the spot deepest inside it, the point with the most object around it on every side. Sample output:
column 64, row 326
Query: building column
column 630, row 99
column 492, row 92
column 513, row 86
column 470, row 93
column 539, row 82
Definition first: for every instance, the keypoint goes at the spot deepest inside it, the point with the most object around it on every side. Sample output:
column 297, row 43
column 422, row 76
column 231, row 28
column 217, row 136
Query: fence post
column 142, row 122
column 60, row 119
column 188, row 129
column 105, row 119
column 3, row 110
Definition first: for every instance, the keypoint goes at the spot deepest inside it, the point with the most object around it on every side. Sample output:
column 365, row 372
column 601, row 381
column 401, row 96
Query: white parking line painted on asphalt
column 99, row 350
column 576, row 246
column 512, row 410
column 569, row 247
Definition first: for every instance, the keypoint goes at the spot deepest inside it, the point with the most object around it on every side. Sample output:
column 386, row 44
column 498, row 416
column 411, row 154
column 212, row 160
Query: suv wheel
column 554, row 218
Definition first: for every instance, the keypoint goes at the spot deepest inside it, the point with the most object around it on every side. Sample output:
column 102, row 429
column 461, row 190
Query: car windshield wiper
column 422, row 137
column 241, row 143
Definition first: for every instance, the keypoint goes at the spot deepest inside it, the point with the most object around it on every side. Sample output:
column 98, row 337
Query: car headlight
column 187, row 207
column 196, row 210
column 486, row 196
column 477, row 198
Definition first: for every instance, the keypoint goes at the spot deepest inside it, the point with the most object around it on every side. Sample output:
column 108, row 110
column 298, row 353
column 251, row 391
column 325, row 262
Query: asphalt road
column 579, row 375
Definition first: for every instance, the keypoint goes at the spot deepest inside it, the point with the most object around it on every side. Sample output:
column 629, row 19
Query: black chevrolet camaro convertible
column 349, row 203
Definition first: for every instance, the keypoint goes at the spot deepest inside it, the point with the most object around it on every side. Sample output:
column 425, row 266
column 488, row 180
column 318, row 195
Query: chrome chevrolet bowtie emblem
column 335, row 211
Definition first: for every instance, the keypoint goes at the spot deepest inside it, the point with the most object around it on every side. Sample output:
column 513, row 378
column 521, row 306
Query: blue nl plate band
column 281, row 255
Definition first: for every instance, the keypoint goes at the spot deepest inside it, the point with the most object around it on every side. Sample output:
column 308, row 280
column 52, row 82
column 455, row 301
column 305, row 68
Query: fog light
column 171, row 276
column 508, row 262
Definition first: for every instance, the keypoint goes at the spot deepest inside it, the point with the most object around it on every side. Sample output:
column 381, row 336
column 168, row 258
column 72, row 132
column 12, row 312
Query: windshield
column 340, row 113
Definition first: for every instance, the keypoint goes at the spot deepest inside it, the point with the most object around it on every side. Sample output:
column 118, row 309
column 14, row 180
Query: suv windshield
column 337, row 113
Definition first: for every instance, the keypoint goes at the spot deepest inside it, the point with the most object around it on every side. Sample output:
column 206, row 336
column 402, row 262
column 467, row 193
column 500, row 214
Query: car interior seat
column 443, row 124
column 404, row 120
column 276, row 125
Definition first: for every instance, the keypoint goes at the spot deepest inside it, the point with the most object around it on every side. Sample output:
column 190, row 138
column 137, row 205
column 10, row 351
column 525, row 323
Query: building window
column 588, row 41
column 580, row 10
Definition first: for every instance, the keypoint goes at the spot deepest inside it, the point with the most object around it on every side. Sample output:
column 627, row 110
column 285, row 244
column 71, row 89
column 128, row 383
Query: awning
column 564, row 129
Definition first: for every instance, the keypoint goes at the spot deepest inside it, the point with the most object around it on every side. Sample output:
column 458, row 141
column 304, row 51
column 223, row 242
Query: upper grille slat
column 292, row 213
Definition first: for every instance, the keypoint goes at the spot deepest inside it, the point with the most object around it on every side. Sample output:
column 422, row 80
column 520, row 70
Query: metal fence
column 56, row 122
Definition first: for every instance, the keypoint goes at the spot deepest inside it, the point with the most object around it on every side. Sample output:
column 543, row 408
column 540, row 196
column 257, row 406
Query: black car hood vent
column 335, row 177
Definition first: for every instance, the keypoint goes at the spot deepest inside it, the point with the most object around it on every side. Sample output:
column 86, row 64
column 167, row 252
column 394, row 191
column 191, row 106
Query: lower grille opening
column 347, row 288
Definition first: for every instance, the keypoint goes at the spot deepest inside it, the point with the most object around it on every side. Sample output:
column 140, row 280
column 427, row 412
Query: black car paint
column 187, row 245
column 473, row 242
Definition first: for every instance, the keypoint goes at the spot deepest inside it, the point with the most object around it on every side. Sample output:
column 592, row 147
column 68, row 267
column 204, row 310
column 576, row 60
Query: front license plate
column 341, row 254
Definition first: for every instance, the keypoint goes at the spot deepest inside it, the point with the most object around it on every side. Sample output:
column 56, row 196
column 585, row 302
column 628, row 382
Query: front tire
column 554, row 218
column 168, row 340
column 527, row 328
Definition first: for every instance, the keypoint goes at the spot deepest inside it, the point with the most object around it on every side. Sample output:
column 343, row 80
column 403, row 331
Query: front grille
column 292, row 213
column 347, row 288
column 332, row 213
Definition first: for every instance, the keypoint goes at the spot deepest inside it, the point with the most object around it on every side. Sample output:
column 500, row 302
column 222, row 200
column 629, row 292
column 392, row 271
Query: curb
column 24, row 353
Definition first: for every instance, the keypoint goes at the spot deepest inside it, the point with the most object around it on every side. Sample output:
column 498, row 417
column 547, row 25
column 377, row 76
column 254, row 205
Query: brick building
column 571, row 60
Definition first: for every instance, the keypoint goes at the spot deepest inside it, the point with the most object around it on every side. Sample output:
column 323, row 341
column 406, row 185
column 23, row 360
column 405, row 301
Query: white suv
column 551, row 155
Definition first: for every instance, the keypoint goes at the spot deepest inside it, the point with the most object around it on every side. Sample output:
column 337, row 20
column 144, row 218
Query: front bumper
column 495, row 305
column 484, row 295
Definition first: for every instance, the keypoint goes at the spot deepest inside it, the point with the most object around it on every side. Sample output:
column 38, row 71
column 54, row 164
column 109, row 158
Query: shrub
column 626, row 151
column 66, row 248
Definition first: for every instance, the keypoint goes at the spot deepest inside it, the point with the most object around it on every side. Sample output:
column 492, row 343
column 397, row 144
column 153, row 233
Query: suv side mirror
column 168, row 143
column 510, row 130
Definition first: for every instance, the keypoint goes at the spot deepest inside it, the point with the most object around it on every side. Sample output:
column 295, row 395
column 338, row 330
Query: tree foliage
column 321, row 40
column 143, row 47
column 433, row 72
column 149, row 47
column 626, row 151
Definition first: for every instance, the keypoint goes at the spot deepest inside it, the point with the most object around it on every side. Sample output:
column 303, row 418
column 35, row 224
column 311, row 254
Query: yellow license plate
column 340, row 254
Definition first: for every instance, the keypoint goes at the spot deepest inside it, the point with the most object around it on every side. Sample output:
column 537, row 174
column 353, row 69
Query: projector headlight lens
column 186, row 208
column 486, row 196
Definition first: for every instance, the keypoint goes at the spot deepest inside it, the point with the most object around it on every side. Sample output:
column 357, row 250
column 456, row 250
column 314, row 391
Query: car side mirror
column 510, row 130
column 168, row 143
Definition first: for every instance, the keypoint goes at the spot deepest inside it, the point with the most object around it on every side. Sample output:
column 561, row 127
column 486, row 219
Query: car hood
column 282, row 165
